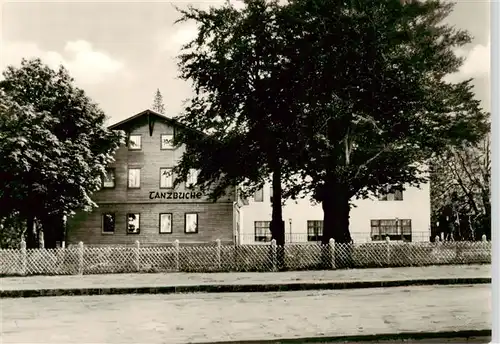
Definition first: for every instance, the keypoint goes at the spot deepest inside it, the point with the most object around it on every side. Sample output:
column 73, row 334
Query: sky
column 121, row 52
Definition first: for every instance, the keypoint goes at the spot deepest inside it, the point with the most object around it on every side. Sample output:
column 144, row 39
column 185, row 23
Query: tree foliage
column 54, row 145
column 12, row 228
column 350, row 95
column 158, row 104
column 235, row 66
column 460, row 190
column 375, row 103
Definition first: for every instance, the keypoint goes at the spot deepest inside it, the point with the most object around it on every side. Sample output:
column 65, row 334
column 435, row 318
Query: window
column 167, row 141
column 133, row 223
column 259, row 195
column 394, row 193
column 134, row 178
column 262, row 231
column 109, row 178
column 396, row 229
column 135, row 142
column 314, row 230
column 166, row 223
column 192, row 177
column 191, row 223
column 108, row 223
column 166, row 178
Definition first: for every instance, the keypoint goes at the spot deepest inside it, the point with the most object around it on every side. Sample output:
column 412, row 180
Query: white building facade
column 402, row 215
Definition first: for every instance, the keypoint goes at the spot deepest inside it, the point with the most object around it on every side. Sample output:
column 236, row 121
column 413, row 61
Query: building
column 401, row 215
column 138, row 202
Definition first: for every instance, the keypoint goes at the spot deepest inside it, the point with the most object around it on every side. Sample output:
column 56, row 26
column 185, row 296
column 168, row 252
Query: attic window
column 134, row 142
column 167, row 141
column 394, row 193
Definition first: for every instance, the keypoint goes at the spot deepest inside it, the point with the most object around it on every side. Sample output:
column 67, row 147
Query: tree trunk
column 277, row 225
column 336, row 208
column 31, row 237
column 53, row 230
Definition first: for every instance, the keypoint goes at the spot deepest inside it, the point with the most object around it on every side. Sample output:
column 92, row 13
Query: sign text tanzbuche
column 175, row 195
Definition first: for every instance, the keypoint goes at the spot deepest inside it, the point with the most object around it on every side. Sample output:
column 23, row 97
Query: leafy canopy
column 375, row 103
column 240, row 103
column 461, row 181
column 54, row 145
column 349, row 94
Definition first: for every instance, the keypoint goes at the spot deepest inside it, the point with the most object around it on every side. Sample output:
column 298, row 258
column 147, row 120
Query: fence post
column 137, row 256
column 80, row 258
column 388, row 250
column 23, row 258
column 177, row 263
column 219, row 249
column 41, row 241
column 485, row 246
column 274, row 255
column 331, row 242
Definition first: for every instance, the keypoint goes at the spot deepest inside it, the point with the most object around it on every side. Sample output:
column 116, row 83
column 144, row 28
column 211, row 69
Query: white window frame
column 109, row 171
column 192, row 177
column 113, row 215
column 166, row 141
column 314, row 230
column 391, row 193
column 166, row 218
column 131, row 142
column 137, row 178
column 188, row 228
column 396, row 229
column 138, row 227
column 262, row 231
column 260, row 194
column 166, row 178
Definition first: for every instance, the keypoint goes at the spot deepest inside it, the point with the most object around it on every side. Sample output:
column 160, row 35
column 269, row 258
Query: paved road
column 183, row 279
column 183, row 318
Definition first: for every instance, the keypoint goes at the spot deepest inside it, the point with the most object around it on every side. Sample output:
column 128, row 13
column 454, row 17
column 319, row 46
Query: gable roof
column 150, row 113
column 145, row 113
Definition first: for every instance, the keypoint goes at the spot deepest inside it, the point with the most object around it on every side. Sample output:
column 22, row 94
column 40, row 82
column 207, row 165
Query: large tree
column 460, row 190
column 352, row 95
column 54, row 147
column 376, row 105
column 240, row 103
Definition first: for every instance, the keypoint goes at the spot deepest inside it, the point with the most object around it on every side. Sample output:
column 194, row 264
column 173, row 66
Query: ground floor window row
column 133, row 223
column 394, row 229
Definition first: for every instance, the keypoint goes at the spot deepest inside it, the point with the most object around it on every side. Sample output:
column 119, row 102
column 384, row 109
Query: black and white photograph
column 248, row 171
